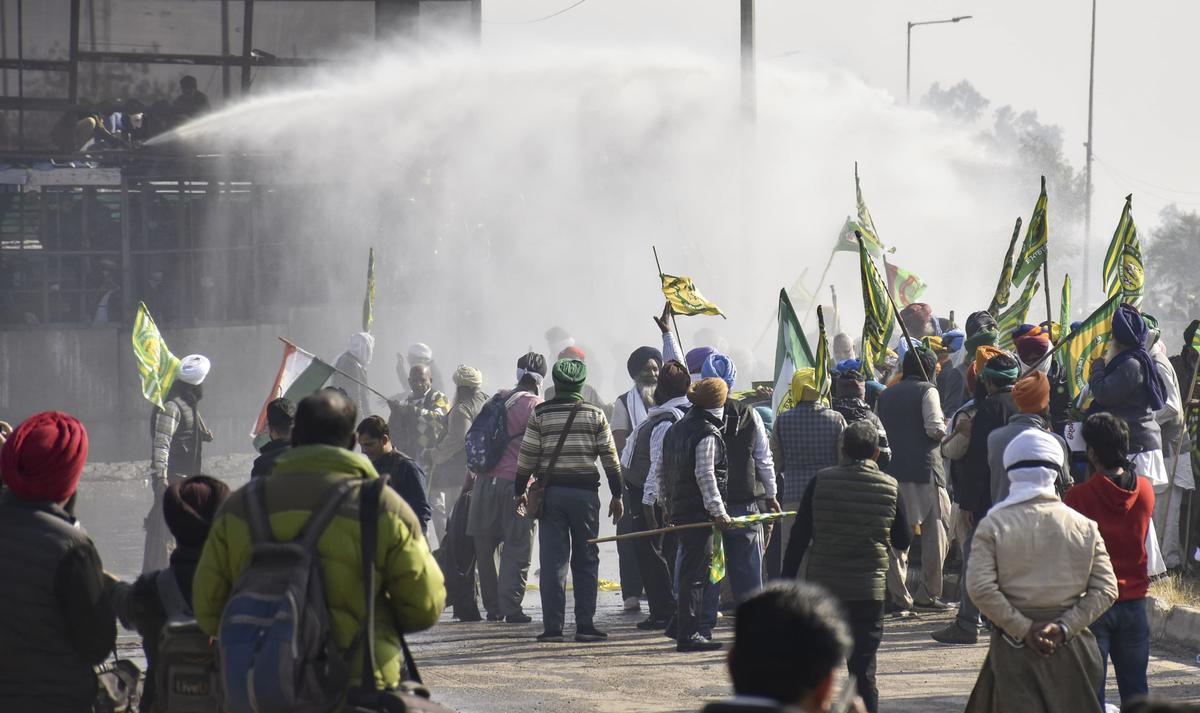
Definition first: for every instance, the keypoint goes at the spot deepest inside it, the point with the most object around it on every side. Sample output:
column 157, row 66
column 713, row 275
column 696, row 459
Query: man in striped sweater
column 571, row 511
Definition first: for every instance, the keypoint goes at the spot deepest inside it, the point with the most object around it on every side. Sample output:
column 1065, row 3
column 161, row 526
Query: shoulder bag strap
column 368, row 521
column 256, row 510
column 562, row 438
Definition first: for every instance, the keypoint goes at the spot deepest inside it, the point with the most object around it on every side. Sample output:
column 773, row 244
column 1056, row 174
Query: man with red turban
column 56, row 615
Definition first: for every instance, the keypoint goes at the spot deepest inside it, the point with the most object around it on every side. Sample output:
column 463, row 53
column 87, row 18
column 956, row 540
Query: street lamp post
column 908, row 63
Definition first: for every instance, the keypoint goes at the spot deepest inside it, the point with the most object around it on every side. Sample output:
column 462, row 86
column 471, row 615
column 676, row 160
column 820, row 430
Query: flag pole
column 837, row 316
column 301, row 349
column 820, row 284
column 660, row 276
column 1046, row 289
column 895, row 311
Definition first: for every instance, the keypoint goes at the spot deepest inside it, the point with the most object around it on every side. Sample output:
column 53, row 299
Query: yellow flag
column 156, row 364
column 685, row 299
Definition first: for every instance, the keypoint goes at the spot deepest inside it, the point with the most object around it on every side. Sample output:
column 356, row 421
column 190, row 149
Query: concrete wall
column 90, row 373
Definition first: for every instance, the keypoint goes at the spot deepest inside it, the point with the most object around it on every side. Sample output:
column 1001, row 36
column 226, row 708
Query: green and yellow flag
column 1033, row 251
column 685, row 299
column 156, row 364
column 1124, row 272
column 1003, row 290
column 716, row 566
column 824, row 385
column 878, row 322
column 1016, row 313
column 791, row 354
column 1085, row 344
column 368, row 316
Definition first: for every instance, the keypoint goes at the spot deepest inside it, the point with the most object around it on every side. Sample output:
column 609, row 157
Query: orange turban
column 1031, row 394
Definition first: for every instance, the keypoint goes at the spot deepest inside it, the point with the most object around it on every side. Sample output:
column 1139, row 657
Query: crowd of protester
column 952, row 448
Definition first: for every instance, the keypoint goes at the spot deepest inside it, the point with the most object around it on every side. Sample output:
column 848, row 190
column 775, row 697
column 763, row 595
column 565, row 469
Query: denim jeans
column 571, row 517
column 743, row 566
column 1123, row 634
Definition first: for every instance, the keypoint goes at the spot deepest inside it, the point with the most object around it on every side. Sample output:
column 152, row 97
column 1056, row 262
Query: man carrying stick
column 696, row 475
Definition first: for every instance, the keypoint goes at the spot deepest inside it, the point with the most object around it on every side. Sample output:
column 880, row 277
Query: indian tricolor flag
column 300, row 374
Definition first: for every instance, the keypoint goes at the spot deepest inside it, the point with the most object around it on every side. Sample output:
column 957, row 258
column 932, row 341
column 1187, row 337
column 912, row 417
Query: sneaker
column 518, row 618
column 653, row 624
column 550, row 637
column 589, row 634
column 468, row 616
column 934, row 604
column 633, row 604
column 698, row 643
column 952, row 633
column 896, row 611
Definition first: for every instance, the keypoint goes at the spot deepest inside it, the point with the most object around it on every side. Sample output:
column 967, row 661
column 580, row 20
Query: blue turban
column 953, row 340
column 1130, row 330
column 721, row 367
column 848, row 365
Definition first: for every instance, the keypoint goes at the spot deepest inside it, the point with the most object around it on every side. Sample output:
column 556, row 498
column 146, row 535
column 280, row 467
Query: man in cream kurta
column 1041, row 573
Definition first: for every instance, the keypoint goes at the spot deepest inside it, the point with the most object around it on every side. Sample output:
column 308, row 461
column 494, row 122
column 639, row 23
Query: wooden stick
column 649, row 533
column 665, row 530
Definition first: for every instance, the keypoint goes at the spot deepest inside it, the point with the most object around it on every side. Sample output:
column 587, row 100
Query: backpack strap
column 256, row 509
column 171, row 595
column 321, row 517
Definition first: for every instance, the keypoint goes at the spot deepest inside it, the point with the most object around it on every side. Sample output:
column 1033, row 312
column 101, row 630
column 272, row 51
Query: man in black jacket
column 402, row 472
column 56, row 613
column 280, row 414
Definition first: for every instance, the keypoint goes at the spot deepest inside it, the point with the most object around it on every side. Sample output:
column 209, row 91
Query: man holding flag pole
column 177, row 430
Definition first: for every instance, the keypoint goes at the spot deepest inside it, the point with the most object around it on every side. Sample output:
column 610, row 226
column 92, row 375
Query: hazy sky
column 1032, row 55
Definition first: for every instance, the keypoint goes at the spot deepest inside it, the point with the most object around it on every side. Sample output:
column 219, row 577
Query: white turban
column 1033, row 460
column 362, row 346
column 420, row 352
column 193, row 368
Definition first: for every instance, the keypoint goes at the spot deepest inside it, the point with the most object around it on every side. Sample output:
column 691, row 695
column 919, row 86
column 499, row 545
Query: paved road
column 499, row 668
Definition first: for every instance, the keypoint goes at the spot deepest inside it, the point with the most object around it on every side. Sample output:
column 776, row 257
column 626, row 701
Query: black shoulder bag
column 411, row 696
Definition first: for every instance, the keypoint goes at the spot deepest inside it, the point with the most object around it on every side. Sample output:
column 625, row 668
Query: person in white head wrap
column 1033, row 460
column 419, row 353
column 193, row 368
column 1041, row 573
column 178, row 434
column 352, row 365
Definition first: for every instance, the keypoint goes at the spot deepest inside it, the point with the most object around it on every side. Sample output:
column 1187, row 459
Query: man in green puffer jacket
column 411, row 591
